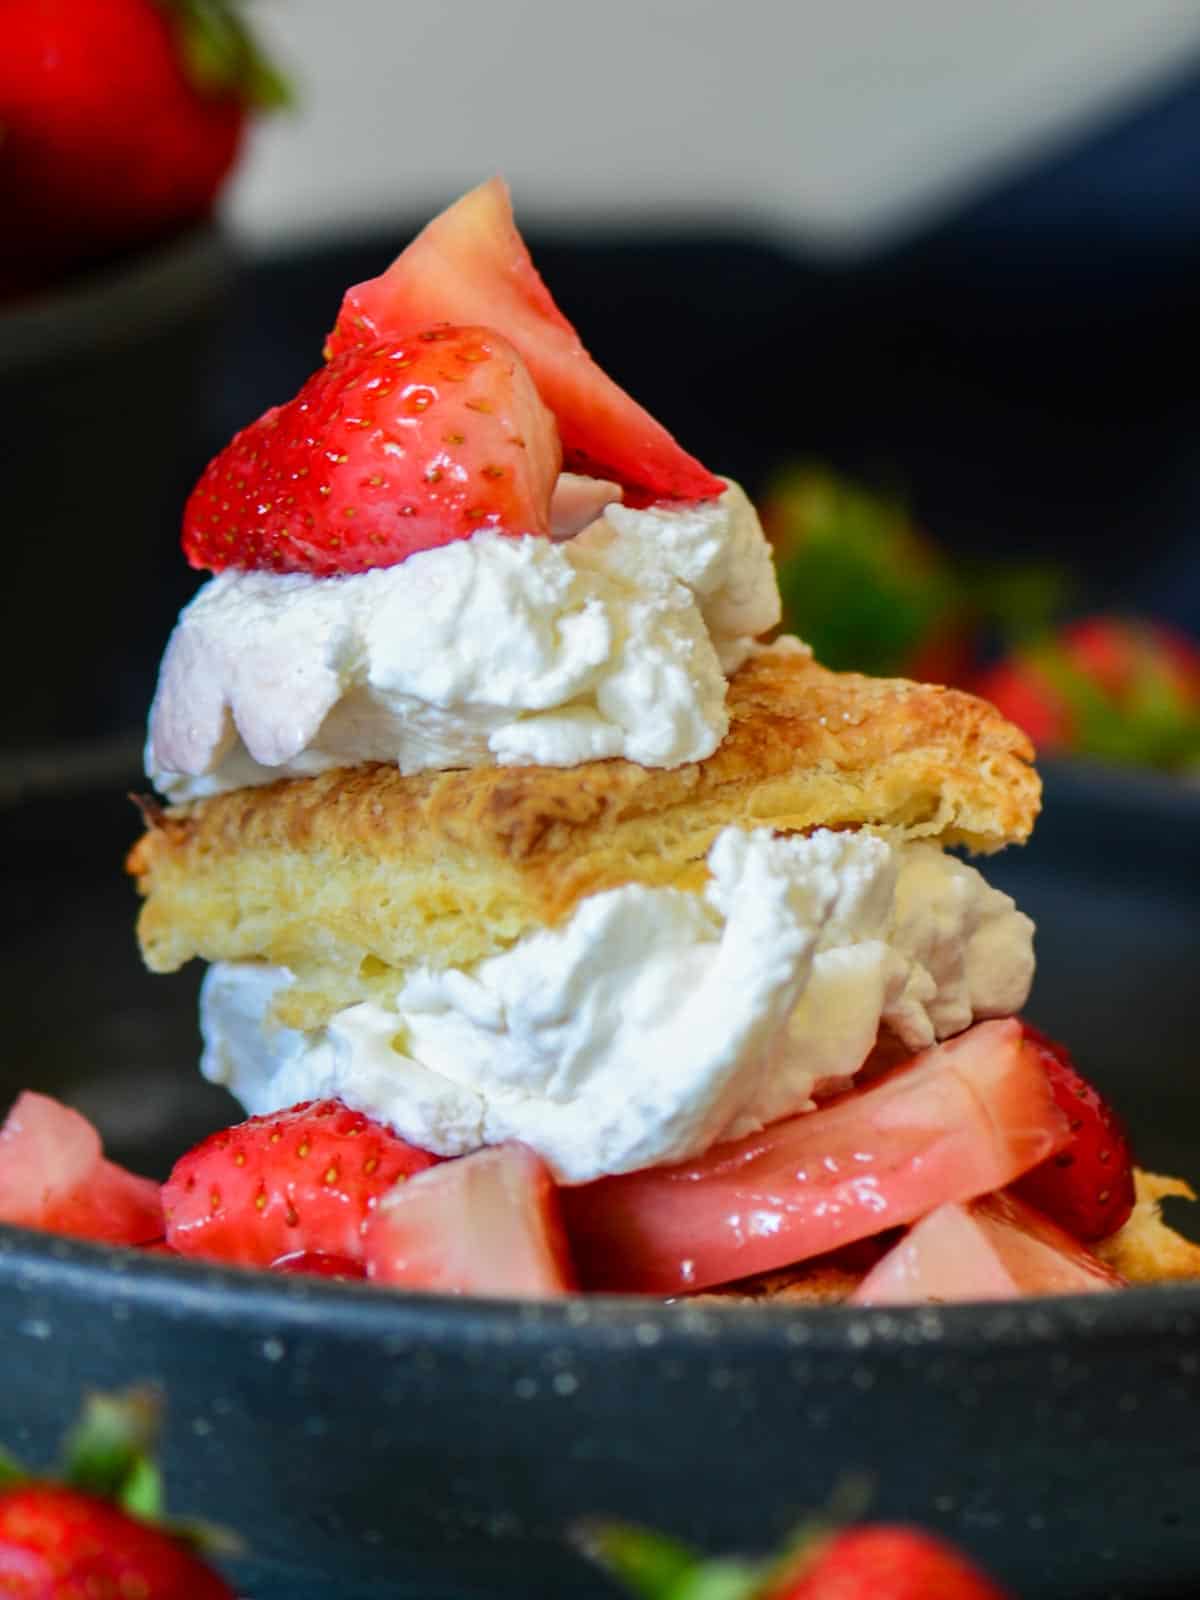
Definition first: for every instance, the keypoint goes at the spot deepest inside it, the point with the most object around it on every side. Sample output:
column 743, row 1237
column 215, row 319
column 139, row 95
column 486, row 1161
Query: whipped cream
column 654, row 1022
column 494, row 649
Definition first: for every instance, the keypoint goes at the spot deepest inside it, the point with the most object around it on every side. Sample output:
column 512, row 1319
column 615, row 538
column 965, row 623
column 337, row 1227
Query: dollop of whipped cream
column 653, row 1023
column 500, row 649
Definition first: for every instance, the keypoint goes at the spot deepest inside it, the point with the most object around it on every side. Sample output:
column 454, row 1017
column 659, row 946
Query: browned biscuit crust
column 362, row 865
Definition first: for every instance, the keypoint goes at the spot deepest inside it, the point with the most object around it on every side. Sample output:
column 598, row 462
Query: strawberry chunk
column 1087, row 1187
column 401, row 447
column 471, row 265
column 54, row 1177
column 315, row 1264
column 960, row 1119
column 996, row 1248
column 300, row 1181
column 486, row 1224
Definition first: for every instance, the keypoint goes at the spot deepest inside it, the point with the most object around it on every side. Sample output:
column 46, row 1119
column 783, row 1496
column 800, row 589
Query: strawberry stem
column 222, row 55
column 107, row 1453
column 11, row 1471
column 660, row 1568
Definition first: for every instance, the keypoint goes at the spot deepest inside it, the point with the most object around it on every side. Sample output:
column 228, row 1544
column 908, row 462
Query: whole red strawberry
column 872, row 1562
column 59, row 1544
column 296, row 1182
column 1086, row 1188
column 118, row 121
column 884, row 1563
column 385, row 451
column 96, row 1533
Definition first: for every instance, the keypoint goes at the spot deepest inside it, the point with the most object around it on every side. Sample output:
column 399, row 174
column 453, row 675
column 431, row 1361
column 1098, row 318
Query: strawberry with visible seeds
column 401, row 447
column 1087, row 1188
column 300, row 1181
column 470, row 265
column 316, row 1264
column 100, row 1533
column 877, row 1561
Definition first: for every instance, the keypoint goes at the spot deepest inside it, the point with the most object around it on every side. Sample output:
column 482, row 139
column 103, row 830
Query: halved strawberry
column 53, row 1176
column 996, row 1248
column 401, row 447
column 961, row 1119
column 296, row 1181
column 470, row 265
column 1087, row 1187
column 486, row 1224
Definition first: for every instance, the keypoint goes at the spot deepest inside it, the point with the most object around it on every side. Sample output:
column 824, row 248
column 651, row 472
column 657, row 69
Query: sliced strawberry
column 1087, row 1187
column 996, row 1248
column 386, row 451
column 113, row 1206
column 47, row 1153
column 53, row 1176
column 297, row 1181
column 959, row 1120
column 486, row 1224
column 470, row 265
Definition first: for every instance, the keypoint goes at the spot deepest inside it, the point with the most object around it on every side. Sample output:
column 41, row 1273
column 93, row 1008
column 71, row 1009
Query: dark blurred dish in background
column 120, row 123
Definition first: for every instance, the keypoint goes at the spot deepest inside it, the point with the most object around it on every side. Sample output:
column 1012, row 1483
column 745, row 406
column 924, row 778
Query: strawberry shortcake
column 565, row 929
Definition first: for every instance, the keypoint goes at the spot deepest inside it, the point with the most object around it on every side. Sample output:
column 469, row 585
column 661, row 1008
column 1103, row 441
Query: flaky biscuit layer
column 358, row 872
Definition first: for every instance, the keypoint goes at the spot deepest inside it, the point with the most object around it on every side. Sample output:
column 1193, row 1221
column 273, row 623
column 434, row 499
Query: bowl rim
column 276, row 1307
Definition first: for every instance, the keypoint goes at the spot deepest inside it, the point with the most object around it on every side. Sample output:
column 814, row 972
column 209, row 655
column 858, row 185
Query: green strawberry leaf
column 223, row 56
column 11, row 1470
column 657, row 1567
column 108, row 1452
column 858, row 583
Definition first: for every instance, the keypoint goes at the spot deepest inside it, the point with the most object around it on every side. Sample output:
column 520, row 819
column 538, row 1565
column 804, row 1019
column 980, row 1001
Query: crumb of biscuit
column 1146, row 1249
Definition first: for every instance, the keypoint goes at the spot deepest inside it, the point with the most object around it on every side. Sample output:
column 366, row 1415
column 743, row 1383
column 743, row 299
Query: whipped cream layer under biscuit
column 654, row 1022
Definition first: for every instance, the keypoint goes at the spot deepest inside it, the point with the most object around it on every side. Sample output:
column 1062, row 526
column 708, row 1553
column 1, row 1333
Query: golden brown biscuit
column 1146, row 1250
column 346, row 876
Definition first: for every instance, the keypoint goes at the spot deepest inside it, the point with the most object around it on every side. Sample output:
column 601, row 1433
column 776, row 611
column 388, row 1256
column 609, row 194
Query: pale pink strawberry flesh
column 470, row 265
column 47, row 1154
column 996, row 1248
column 962, row 1119
column 53, row 1176
column 486, row 1224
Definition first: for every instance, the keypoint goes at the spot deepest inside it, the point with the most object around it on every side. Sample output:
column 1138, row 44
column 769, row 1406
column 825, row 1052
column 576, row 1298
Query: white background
column 836, row 122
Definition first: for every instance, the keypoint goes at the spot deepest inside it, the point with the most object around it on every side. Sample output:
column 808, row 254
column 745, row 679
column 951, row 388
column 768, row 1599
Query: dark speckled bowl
column 367, row 1445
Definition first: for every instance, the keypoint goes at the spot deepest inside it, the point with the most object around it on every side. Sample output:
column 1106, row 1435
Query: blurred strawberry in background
column 872, row 592
column 868, row 588
column 119, row 121
column 1122, row 689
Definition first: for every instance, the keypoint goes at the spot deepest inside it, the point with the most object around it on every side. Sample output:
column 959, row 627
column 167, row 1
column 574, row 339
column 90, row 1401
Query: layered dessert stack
column 563, row 930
